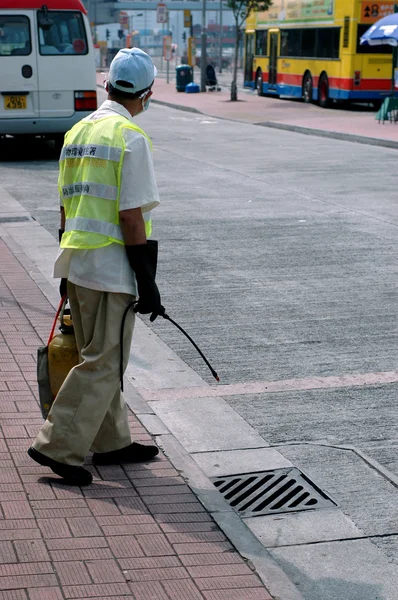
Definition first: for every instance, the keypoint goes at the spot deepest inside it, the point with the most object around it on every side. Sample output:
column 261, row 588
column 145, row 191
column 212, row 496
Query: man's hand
column 148, row 298
column 143, row 258
column 143, row 261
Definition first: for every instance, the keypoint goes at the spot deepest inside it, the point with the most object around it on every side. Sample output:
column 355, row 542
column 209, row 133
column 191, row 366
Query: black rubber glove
column 143, row 260
column 63, row 285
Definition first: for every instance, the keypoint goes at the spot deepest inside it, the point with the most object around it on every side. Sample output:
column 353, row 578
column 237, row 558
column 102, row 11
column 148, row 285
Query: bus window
column 328, row 42
column 308, row 43
column 311, row 43
column 14, row 36
column 291, row 42
column 383, row 49
column 261, row 43
column 65, row 36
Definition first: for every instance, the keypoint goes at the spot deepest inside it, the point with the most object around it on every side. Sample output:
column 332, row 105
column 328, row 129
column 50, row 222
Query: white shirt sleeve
column 138, row 183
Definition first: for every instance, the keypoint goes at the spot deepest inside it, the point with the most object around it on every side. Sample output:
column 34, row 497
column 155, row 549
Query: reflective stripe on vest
column 89, row 183
column 89, row 188
column 91, row 150
column 109, row 230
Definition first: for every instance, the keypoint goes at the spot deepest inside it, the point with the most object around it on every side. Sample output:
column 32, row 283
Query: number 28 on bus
column 312, row 50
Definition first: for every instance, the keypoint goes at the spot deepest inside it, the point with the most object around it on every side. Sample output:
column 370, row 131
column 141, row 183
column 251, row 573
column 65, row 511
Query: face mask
column 145, row 104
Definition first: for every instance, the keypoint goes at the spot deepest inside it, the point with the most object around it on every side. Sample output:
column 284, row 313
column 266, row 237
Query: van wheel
column 308, row 87
column 324, row 100
column 259, row 82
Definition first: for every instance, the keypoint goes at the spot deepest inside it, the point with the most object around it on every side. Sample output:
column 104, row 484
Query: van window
column 14, row 35
column 65, row 35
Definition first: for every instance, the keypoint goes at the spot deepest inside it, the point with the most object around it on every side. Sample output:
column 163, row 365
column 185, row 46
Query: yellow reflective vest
column 90, row 171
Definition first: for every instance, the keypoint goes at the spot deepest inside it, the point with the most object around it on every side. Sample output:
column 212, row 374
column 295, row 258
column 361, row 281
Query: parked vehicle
column 47, row 67
column 312, row 50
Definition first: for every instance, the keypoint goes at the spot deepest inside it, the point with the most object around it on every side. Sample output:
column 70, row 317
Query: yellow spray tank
column 62, row 353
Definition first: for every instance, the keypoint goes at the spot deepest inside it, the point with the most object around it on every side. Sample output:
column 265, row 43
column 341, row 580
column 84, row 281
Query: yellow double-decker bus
column 311, row 49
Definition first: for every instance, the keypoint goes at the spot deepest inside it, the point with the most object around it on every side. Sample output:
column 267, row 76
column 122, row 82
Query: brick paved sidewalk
column 137, row 532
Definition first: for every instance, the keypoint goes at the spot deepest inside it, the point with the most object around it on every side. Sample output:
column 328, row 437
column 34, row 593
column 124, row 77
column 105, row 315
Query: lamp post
column 203, row 51
column 220, row 69
column 131, row 17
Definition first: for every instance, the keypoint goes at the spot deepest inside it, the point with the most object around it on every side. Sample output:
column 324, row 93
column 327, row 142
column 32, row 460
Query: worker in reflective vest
column 108, row 189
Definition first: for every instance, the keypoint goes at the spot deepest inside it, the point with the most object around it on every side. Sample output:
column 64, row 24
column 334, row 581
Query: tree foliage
column 241, row 9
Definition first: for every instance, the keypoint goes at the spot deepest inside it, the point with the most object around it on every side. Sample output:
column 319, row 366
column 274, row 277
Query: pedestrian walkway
column 358, row 123
column 136, row 532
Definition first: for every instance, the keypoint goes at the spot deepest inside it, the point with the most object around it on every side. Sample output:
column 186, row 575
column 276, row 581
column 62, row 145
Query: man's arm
column 133, row 226
column 142, row 257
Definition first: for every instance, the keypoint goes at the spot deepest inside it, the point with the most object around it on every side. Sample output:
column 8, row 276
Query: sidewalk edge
column 242, row 538
column 335, row 135
column 180, row 107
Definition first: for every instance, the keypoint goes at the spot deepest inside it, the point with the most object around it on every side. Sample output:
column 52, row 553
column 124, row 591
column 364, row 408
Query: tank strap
column 61, row 306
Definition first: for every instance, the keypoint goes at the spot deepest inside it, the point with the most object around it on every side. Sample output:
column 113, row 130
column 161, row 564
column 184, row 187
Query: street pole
column 204, row 50
column 220, row 70
column 178, row 38
column 168, row 61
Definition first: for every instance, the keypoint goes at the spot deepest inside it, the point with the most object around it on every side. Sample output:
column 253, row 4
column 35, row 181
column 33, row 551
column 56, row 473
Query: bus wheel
column 307, row 88
column 259, row 82
column 324, row 99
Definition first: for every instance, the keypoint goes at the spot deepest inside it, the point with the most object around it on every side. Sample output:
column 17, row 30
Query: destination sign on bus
column 298, row 11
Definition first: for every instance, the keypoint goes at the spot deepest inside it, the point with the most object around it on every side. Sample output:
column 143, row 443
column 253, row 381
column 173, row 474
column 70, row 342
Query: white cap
column 134, row 66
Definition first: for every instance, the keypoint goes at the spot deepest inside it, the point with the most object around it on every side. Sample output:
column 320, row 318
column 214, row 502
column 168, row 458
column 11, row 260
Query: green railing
column 388, row 111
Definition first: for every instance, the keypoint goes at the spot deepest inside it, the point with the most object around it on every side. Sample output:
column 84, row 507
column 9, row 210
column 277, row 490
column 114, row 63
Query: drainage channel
column 14, row 219
column 268, row 492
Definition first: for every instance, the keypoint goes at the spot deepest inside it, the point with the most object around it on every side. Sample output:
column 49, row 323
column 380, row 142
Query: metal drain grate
column 282, row 490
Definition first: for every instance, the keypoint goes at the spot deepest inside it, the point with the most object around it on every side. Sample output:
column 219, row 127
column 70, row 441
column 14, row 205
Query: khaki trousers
column 89, row 412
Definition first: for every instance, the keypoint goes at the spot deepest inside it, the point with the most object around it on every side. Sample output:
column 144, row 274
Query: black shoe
column 72, row 475
column 130, row 454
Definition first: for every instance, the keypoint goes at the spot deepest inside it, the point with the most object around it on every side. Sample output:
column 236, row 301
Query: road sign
column 161, row 13
column 187, row 18
column 167, row 47
column 123, row 20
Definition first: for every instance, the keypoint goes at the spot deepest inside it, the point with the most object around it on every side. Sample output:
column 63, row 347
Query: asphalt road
column 278, row 254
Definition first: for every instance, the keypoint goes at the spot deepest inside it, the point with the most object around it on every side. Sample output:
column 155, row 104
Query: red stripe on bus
column 265, row 76
column 341, row 83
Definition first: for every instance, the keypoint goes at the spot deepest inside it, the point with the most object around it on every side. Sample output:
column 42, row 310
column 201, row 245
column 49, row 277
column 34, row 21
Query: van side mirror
column 43, row 19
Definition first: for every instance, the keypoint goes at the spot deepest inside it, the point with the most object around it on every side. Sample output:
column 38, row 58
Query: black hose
column 213, row 372
column 165, row 316
column 121, row 369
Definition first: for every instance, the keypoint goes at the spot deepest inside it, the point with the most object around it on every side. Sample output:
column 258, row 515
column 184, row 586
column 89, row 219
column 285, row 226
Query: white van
column 47, row 67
